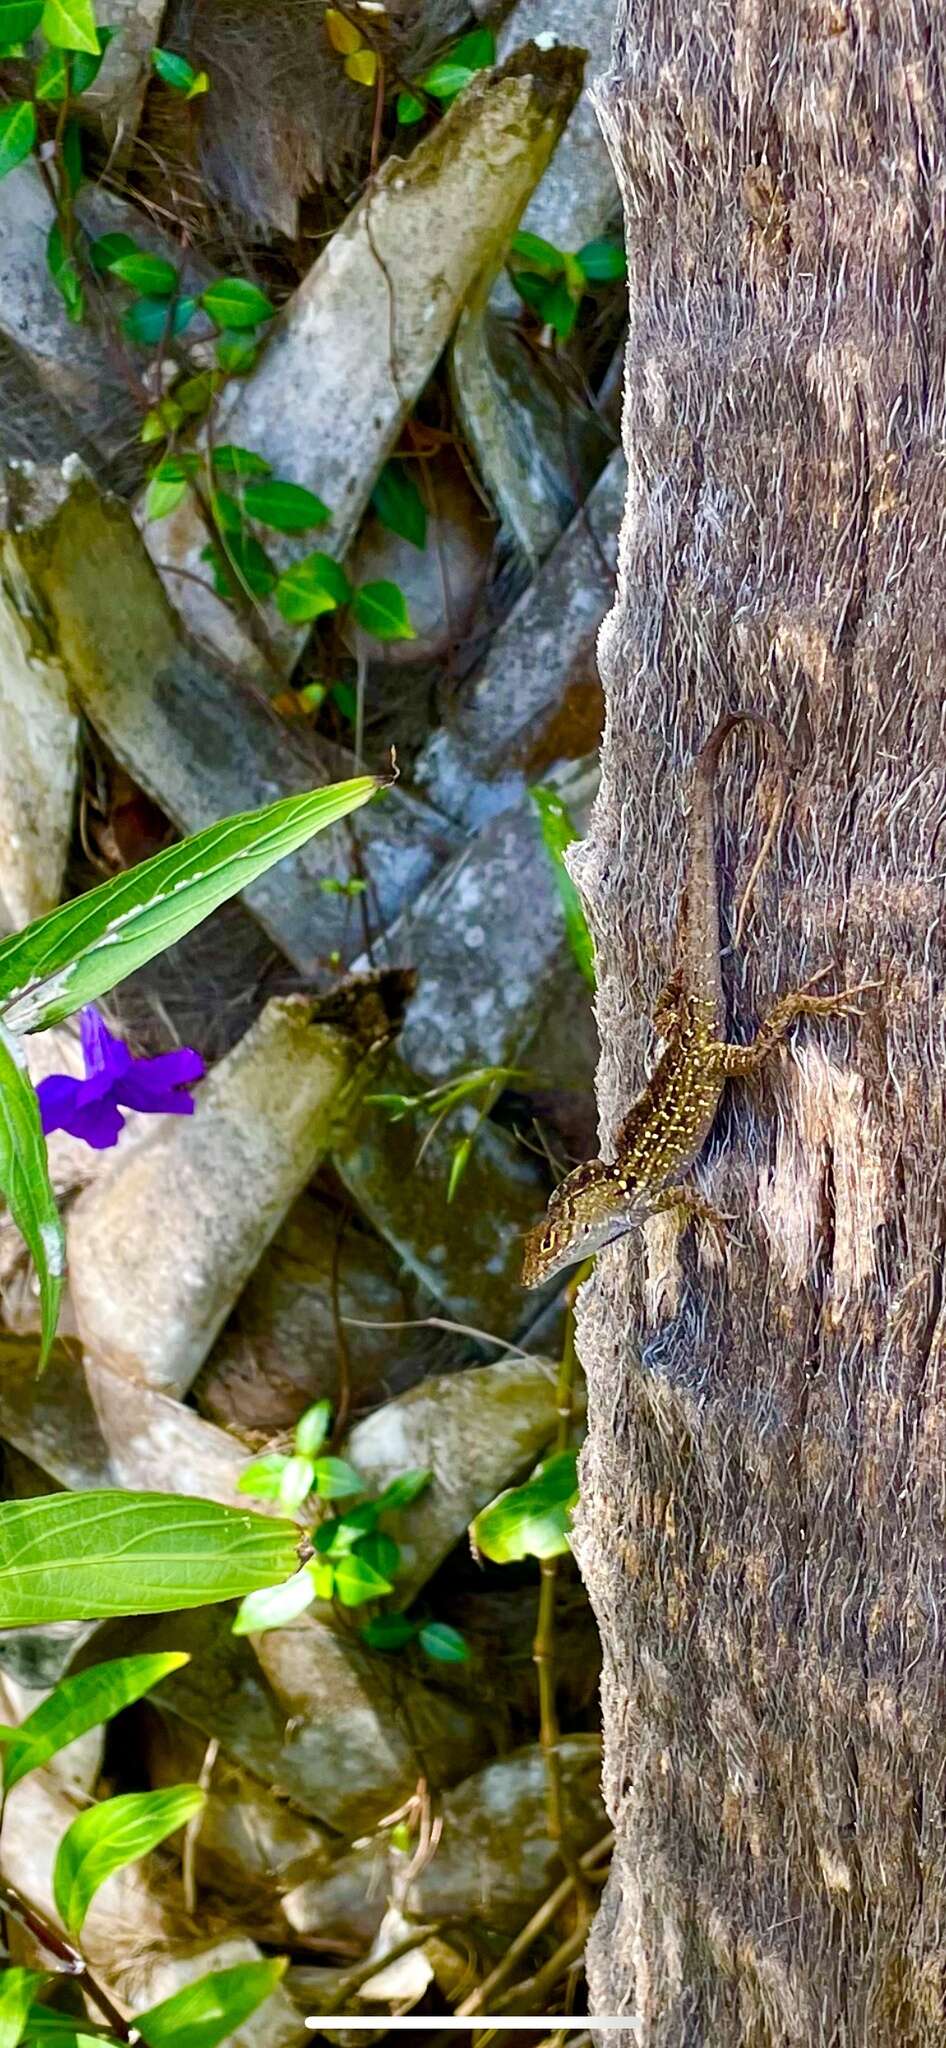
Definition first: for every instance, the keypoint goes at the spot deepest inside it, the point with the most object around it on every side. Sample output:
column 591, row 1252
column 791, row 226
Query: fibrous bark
column 762, row 1529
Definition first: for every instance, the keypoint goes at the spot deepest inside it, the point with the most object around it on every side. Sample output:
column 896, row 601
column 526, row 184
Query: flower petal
column 106, row 1058
column 57, row 1100
column 155, row 1101
column 98, row 1123
column 159, row 1084
column 68, row 1105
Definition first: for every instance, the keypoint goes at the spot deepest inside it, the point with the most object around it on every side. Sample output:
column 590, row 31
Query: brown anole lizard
column 664, row 1130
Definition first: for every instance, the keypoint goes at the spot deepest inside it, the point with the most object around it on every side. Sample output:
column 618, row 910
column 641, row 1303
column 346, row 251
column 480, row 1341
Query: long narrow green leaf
column 76, row 1705
column 203, row 2014
column 83, row 1556
column 24, row 1183
column 17, row 1989
column 558, row 832
column 111, row 1834
column 78, row 952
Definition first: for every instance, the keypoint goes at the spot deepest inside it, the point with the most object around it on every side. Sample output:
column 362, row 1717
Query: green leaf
column 83, row 1556
column 235, row 302
column 70, row 25
column 110, row 1835
column 167, row 485
column 323, row 1579
column 459, row 1162
column 534, row 290
column 536, row 252
column 17, row 134
column 51, row 77
column 263, row 1478
column 288, row 508
column 162, row 420
column 335, row 1479
column 310, row 587
column 25, row 1185
column 64, row 272
column 313, row 1427
column 78, row 1704
column 530, row 1520
column 77, row 953
column 388, row 1632
column 560, row 309
column 477, row 50
column 17, row 1990
column 232, row 461
column 178, row 74
column 274, row 1606
column 204, row 2014
column 150, row 321
column 18, row 19
column 236, row 353
column 362, row 67
column 380, row 1551
column 296, row 1482
column 250, row 564
column 558, row 832
column 403, row 1490
column 87, row 64
column 409, row 109
column 443, row 1643
column 602, row 262
column 49, row 2029
column 193, row 394
column 399, row 505
column 71, row 155
column 381, row 610
column 107, row 248
column 228, row 515
column 444, row 80
column 153, row 275
column 356, row 1581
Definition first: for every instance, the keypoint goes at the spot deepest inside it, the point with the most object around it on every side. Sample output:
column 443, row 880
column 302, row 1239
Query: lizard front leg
column 690, row 1207
column 738, row 1061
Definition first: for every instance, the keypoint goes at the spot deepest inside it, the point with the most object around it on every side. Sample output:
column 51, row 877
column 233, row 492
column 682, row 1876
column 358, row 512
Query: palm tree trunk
column 762, row 1530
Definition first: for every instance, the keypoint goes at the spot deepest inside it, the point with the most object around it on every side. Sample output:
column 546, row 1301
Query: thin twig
column 541, row 1919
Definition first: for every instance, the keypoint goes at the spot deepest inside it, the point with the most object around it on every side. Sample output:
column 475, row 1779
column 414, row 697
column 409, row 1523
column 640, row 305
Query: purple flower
column 115, row 1080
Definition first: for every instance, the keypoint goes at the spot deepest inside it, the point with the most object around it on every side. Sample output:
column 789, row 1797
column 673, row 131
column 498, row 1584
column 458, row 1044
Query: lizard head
column 592, row 1205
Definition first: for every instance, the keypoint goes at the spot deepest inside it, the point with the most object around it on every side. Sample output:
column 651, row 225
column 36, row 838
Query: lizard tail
column 706, row 764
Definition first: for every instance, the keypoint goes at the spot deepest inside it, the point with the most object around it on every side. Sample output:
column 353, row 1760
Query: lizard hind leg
column 739, row 1061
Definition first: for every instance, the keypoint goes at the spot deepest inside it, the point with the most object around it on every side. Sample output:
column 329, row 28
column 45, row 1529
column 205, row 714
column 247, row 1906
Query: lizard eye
column 547, row 1241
